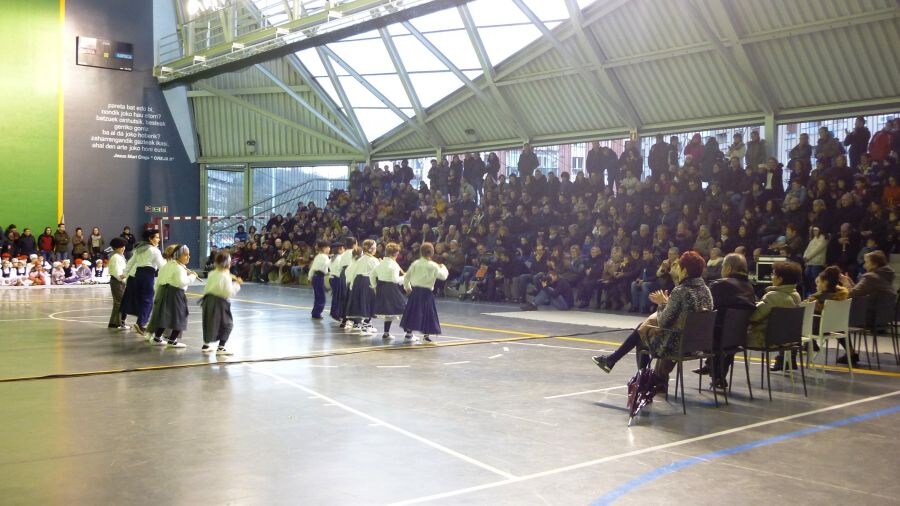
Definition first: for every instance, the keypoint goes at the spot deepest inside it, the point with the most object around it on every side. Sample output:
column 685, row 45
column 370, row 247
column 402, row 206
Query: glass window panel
column 548, row 9
column 377, row 122
column 456, row 47
column 416, row 57
column 364, row 56
column 325, row 83
column 313, row 63
column 358, row 95
column 391, row 87
column 485, row 12
column 501, row 42
column 441, row 20
column 433, row 87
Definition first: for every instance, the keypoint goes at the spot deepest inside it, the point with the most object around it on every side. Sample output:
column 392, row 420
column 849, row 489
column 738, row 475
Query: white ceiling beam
column 591, row 78
column 277, row 118
column 595, row 52
column 380, row 96
column 342, row 94
column 324, row 98
column 407, row 84
column 488, row 73
column 257, row 90
column 309, row 107
column 735, row 57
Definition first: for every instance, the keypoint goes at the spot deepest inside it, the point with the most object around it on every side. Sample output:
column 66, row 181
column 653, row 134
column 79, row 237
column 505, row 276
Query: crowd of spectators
column 55, row 257
column 608, row 234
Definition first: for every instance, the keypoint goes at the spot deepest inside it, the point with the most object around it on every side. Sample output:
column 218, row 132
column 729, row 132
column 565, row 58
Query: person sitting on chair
column 878, row 281
column 690, row 294
column 732, row 291
column 782, row 293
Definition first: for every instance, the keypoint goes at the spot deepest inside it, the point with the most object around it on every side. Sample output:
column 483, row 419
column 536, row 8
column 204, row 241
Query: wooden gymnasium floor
column 495, row 413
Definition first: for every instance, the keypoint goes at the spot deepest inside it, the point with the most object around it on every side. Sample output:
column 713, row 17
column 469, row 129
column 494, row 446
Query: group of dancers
column 364, row 287
column 151, row 286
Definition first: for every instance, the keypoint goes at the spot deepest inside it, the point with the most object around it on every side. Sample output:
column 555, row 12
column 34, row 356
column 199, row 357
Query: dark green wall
column 29, row 92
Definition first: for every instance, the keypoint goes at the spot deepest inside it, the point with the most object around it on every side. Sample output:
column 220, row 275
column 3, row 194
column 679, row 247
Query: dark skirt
column 421, row 312
column 217, row 320
column 389, row 300
column 338, row 288
column 170, row 309
column 138, row 296
column 361, row 303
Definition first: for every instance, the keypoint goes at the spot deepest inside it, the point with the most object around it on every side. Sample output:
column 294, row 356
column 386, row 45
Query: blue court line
column 625, row 488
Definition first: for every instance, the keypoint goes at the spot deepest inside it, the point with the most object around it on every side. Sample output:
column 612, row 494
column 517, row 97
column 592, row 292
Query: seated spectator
column 782, row 293
column 554, row 291
column 690, row 295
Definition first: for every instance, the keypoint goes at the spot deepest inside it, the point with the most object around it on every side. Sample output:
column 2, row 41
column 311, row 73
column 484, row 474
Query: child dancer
column 172, row 309
column 351, row 252
column 387, row 279
column 334, row 279
column 117, row 277
column 221, row 285
column 360, row 307
column 421, row 312
column 317, row 272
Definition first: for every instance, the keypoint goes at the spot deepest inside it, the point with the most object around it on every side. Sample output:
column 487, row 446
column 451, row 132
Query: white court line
column 495, row 356
column 391, row 366
column 456, row 363
column 651, row 449
column 370, row 418
column 586, row 392
column 558, row 347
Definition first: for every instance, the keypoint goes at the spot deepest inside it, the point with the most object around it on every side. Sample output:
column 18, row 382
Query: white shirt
column 117, row 267
column 363, row 265
column 423, row 273
column 145, row 257
column 320, row 264
column 388, row 270
column 220, row 284
column 341, row 261
column 174, row 274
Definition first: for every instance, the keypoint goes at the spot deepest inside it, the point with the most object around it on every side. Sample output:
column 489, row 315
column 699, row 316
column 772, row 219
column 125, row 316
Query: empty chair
column 834, row 323
column 879, row 315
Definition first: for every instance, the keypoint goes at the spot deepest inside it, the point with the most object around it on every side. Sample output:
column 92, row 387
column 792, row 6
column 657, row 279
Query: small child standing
column 334, row 279
column 317, row 272
column 420, row 313
column 171, row 311
column 117, row 277
column 360, row 306
column 343, row 262
column 387, row 279
column 221, row 285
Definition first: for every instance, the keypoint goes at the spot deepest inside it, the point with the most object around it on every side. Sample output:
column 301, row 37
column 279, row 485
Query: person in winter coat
column 857, row 140
column 880, row 146
column 45, row 245
column 737, row 149
column 802, row 151
column 814, row 258
column 827, row 147
column 26, row 245
column 782, row 293
column 61, row 242
column 695, row 148
column 756, row 151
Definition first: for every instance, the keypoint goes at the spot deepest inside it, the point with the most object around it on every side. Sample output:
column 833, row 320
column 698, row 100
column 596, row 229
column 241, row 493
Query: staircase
column 221, row 231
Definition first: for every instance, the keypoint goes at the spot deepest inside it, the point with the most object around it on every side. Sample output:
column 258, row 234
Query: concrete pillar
column 771, row 135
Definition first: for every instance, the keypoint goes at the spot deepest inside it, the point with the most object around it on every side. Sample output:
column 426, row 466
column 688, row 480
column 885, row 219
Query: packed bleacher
column 609, row 234
column 55, row 257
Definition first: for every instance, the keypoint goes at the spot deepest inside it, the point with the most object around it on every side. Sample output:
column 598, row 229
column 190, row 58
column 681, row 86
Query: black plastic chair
column 878, row 314
column 860, row 318
column 695, row 342
column 784, row 333
column 732, row 339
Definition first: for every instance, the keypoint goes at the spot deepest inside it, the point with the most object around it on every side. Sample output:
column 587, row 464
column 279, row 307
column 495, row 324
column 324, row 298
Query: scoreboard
column 108, row 54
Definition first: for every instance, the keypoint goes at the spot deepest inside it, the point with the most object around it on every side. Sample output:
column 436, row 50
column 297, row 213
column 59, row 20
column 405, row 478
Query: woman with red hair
column 690, row 294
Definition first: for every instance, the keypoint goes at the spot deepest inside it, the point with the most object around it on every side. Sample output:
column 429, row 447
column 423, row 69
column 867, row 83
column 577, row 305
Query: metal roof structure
column 495, row 73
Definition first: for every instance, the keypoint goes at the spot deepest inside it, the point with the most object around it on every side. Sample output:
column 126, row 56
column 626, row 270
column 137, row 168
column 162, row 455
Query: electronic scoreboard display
column 107, row 54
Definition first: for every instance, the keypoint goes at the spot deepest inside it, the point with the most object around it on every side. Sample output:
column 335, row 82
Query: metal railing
column 258, row 214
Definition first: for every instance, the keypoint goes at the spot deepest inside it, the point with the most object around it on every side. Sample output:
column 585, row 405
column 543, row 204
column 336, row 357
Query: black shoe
column 528, row 306
column 843, row 359
column 718, row 384
column 427, row 338
column 778, row 365
column 602, row 362
column 317, row 318
column 702, row 371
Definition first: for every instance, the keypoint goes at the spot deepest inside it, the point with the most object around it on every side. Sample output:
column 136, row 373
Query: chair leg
column 763, row 368
column 864, row 335
column 681, row 373
column 678, row 381
column 850, row 357
column 700, row 377
column 768, row 376
column 715, row 394
column 802, row 372
column 747, row 370
column 875, row 347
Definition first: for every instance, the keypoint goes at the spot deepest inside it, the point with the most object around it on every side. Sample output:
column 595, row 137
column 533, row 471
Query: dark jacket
column 733, row 292
column 879, row 282
column 563, row 289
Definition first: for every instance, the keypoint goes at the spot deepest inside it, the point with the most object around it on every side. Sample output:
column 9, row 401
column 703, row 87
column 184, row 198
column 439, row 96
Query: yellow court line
column 50, row 301
column 589, row 340
column 451, row 325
